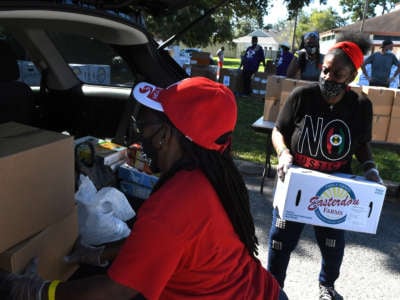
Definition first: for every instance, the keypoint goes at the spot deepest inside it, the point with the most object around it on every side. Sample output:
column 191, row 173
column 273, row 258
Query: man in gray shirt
column 381, row 64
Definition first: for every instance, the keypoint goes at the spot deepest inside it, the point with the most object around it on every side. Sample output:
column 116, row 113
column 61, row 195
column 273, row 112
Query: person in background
column 321, row 127
column 381, row 65
column 194, row 237
column 308, row 60
column 283, row 59
column 220, row 56
column 251, row 59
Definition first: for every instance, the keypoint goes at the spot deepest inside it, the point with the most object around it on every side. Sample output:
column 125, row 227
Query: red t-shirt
column 183, row 246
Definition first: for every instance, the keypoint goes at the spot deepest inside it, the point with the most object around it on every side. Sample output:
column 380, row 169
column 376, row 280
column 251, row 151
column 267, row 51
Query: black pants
column 283, row 239
column 247, row 81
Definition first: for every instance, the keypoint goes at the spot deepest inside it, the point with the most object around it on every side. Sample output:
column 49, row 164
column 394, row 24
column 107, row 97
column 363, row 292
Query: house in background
column 266, row 39
column 379, row 28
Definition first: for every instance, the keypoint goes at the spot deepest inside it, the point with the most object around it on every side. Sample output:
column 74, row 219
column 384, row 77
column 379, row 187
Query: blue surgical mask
column 389, row 51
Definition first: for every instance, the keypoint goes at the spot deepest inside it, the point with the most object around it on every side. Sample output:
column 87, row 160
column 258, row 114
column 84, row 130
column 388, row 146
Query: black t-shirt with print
column 324, row 137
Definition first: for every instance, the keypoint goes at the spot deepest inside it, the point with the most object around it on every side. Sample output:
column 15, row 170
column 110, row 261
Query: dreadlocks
column 224, row 176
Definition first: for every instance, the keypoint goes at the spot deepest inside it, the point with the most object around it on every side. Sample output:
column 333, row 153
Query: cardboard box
column 232, row 78
column 200, row 58
column 131, row 174
column 393, row 135
column 50, row 246
column 288, row 85
column 132, row 189
column 380, row 127
column 396, row 105
column 259, row 84
column 274, row 86
column 339, row 201
column 271, row 109
column 37, row 180
column 205, row 71
column 381, row 98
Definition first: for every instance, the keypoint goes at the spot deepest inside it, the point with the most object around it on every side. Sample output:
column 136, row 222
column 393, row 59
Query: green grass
column 250, row 145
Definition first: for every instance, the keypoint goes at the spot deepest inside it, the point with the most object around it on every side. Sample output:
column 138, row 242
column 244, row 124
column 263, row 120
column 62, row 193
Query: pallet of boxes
column 386, row 112
column 38, row 213
column 278, row 88
column 200, row 66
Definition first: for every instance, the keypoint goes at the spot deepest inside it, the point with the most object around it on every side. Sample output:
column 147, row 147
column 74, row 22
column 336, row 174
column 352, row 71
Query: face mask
column 311, row 50
column 151, row 153
column 330, row 89
column 388, row 51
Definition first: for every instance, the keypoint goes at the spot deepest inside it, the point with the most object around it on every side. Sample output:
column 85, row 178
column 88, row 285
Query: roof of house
column 264, row 37
column 387, row 24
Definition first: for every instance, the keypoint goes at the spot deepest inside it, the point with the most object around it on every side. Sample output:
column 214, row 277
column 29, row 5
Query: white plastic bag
column 101, row 214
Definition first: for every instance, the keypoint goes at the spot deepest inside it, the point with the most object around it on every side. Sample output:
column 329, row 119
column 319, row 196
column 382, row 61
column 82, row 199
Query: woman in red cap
column 194, row 237
column 321, row 127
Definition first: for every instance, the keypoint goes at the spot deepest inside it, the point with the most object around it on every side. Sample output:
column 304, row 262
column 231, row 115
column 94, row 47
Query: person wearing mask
column 298, row 139
column 308, row 60
column 251, row 59
column 381, row 65
column 283, row 59
column 194, row 237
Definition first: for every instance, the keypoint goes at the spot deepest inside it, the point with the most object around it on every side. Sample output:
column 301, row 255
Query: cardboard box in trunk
column 381, row 98
column 380, row 127
column 338, row 201
column 37, row 180
column 50, row 246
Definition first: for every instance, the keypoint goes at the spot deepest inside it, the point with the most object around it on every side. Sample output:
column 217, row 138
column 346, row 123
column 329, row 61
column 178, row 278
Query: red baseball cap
column 202, row 109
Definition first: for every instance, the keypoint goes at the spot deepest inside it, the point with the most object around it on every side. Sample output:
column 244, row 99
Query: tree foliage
column 356, row 8
column 319, row 20
column 218, row 27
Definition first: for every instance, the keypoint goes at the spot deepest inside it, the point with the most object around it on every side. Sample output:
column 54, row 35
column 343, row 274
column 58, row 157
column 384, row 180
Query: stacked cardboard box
column 37, row 192
column 258, row 84
column 382, row 102
column 289, row 85
column 200, row 58
column 393, row 135
column 272, row 97
column 205, row 71
column 232, row 78
column 277, row 90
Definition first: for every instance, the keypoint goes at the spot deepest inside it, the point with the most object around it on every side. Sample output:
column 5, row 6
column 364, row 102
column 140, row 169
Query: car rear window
column 93, row 61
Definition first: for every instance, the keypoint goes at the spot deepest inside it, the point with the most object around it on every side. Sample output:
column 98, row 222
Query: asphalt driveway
column 371, row 265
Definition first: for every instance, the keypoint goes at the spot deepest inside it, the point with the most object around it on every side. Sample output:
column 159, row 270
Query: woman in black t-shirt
column 320, row 127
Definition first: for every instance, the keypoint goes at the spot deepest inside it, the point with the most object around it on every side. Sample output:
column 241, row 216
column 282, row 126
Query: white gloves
column 285, row 161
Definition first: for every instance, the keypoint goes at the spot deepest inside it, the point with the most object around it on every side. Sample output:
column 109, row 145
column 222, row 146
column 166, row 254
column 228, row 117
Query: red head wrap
column 352, row 51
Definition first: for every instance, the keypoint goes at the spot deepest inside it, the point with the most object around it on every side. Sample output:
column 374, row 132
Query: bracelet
column 280, row 150
column 52, row 289
column 39, row 294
